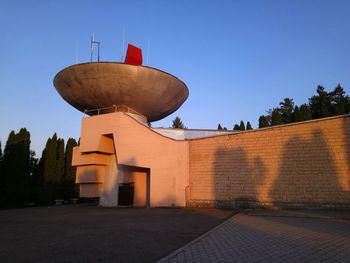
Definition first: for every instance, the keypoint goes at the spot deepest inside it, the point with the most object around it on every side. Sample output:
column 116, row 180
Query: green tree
column 70, row 187
column 305, row 112
column 53, row 168
column 50, row 160
column 236, row 127
column 219, row 127
column 15, row 170
column 60, row 164
column 276, row 118
column 263, row 121
column 249, row 126
column 340, row 101
column 286, row 109
column 320, row 104
column 39, row 191
column 59, row 171
column 296, row 115
column 241, row 126
column 178, row 124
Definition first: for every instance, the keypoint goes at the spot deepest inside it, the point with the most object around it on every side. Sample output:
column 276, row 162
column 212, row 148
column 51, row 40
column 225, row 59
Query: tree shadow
column 308, row 172
column 346, row 134
column 241, row 180
column 307, row 176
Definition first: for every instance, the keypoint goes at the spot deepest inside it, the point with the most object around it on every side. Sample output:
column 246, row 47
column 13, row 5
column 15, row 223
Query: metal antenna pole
column 92, row 47
column 123, row 48
column 98, row 51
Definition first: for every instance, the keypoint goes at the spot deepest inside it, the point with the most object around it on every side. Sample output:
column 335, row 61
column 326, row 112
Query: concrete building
column 124, row 162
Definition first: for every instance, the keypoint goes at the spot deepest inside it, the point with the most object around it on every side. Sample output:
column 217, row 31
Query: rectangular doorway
column 141, row 178
column 126, row 194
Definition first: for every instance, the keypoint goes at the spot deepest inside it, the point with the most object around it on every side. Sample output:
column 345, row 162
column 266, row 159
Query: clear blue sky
column 238, row 58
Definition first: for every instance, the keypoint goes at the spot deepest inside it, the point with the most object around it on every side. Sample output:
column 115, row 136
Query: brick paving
column 271, row 238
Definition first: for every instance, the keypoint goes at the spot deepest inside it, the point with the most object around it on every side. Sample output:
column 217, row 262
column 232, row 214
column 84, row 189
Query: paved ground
column 85, row 233
column 272, row 236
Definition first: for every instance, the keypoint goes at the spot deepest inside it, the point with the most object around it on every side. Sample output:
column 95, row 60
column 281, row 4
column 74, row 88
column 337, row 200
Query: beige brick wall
column 303, row 163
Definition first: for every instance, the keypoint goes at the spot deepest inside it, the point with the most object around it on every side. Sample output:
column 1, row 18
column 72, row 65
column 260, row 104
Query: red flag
column 133, row 55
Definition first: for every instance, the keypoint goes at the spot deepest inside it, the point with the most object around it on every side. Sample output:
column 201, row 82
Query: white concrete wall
column 185, row 134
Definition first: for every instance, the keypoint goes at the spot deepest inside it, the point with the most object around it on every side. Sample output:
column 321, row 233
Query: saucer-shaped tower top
column 146, row 91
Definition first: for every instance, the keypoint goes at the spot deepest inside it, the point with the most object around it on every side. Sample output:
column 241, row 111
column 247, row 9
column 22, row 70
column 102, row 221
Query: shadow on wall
column 302, row 174
column 308, row 174
column 236, row 177
column 346, row 134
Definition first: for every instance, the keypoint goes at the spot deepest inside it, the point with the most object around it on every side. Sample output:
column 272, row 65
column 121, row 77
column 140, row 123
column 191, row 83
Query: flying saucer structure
column 149, row 92
column 118, row 153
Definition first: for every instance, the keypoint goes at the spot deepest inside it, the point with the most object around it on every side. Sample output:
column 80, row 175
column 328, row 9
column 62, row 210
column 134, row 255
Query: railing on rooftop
column 114, row 108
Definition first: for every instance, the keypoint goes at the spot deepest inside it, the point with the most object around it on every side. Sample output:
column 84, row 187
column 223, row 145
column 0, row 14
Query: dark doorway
column 126, row 194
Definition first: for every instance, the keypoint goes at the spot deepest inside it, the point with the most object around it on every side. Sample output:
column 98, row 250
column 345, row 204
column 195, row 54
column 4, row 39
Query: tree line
column 26, row 180
column 323, row 104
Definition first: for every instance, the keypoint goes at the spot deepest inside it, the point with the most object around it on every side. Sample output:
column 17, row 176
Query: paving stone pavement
column 265, row 238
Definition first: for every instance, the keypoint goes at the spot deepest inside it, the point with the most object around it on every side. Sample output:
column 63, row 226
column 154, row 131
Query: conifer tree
column 59, row 162
column 50, row 160
column 320, row 104
column 59, row 171
column 249, row 126
column 339, row 101
column 39, row 190
column 49, row 170
column 178, row 124
column 276, row 118
column 15, row 170
column 263, row 121
column 236, row 127
column 305, row 112
column 219, row 127
column 296, row 115
column 242, row 126
column 71, row 190
column 286, row 109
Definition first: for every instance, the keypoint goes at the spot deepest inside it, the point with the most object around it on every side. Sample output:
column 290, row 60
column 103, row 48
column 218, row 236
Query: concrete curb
column 289, row 214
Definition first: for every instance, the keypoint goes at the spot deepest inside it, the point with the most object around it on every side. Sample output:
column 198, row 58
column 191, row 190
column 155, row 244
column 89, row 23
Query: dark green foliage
column 15, row 170
column 305, row 112
column 320, row 104
column 276, row 118
column 324, row 104
column 236, row 127
column 296, row 115
column 219, row 127
column 71, row 190
column 24, row 179
column 60, row 164
column 241, row 126
column 286, row 109
column 39, row 192
column 340, row 101
column 53, row 168
column 249, row 126
column 178, row 124
column 49, row 164
column 263, row 121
